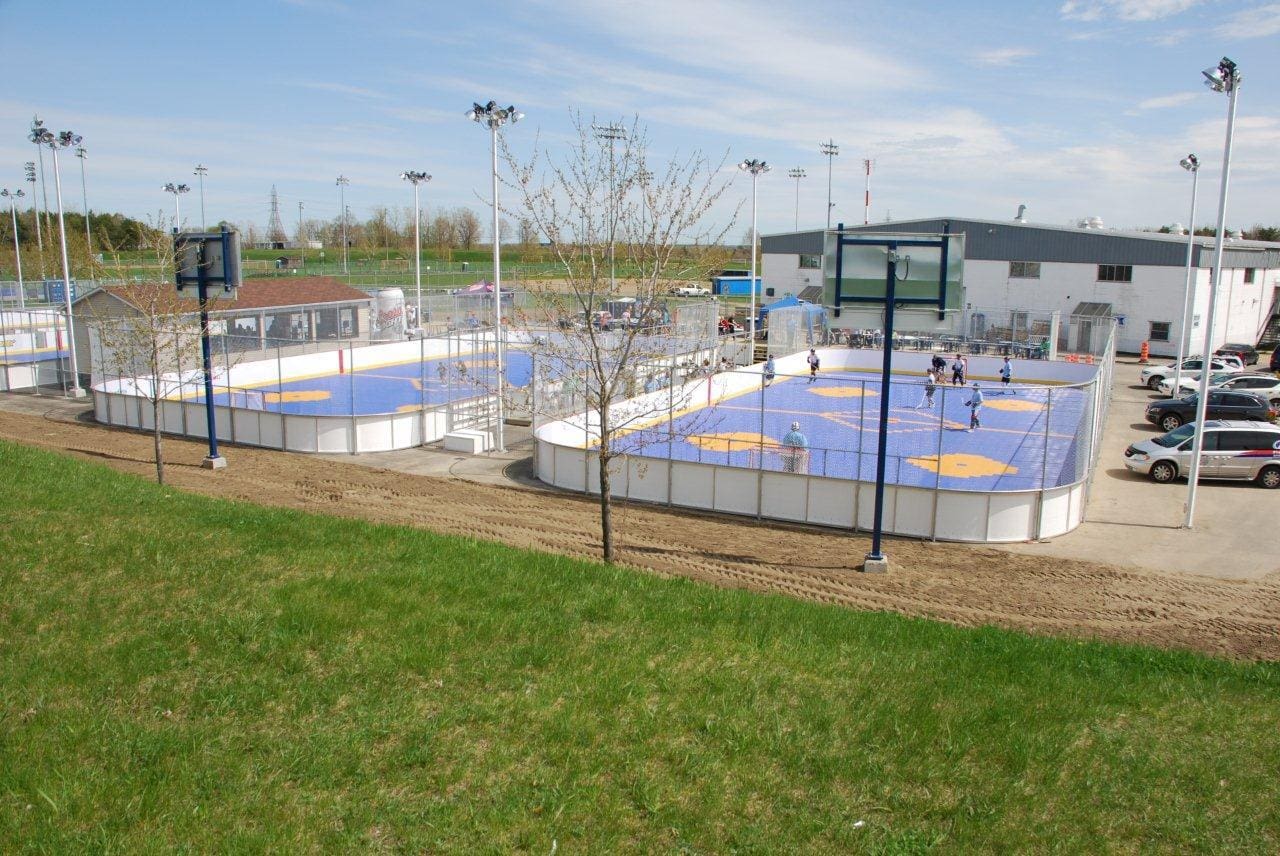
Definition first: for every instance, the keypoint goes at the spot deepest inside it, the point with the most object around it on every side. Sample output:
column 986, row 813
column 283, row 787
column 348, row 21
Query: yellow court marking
column 296, row 395
column 732, row 441
column 842, row 391
column 963, row 465
column 1013, row 405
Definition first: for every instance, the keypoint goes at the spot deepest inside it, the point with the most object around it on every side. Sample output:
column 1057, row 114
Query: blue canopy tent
column 786, row 303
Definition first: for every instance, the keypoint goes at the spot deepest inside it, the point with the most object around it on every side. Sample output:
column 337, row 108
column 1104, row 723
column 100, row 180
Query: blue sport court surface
column 399, row 387
column 1030, row 436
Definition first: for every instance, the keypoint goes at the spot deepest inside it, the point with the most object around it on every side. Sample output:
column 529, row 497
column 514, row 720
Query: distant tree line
column 115, row 231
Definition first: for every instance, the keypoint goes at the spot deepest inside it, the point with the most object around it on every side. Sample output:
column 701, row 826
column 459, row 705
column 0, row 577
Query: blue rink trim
column 382, row 389
column 1021, row 449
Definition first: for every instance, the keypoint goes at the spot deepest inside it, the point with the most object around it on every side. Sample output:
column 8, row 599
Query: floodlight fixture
column 1190, row 163
column 177, row 190
column 494, row 117
column 611, row 133
column 416, row 178
column 756, row 168
column 1225, row 78
column 13, row 197
column 200, row 172
column 83, row 154
column 830, row 148
column 61, row 140
column 342, row 181
column 797, row 173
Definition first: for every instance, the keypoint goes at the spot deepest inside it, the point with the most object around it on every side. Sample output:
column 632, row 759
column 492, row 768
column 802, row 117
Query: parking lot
column 1131, row 520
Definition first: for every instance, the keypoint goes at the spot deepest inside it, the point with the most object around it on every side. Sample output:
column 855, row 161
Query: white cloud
column 1251, row 23
column 1124, row 10
column 343, row 89
column 1166, row 101
column 1000, row 57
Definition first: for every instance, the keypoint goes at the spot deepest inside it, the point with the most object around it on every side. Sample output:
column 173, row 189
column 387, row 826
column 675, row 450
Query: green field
column 185, row 674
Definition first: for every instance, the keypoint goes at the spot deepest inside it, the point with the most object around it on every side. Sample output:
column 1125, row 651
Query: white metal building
column 1024, row 266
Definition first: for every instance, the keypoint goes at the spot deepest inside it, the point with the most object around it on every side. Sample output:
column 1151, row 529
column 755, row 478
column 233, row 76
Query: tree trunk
column 606, row 508
column 159, row 440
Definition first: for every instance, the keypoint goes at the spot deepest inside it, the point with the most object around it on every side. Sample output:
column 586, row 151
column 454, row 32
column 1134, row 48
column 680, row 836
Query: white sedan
column 1151, row 376
column 1265, row 385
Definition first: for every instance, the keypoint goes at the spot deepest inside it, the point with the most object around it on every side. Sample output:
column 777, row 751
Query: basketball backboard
column 930, row 270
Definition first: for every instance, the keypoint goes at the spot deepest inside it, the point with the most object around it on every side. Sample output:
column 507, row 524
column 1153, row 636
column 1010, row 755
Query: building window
column 1159, row 331
column 1024, row 270
column 1115, row 273
column 1248, row 274
column 813, row 262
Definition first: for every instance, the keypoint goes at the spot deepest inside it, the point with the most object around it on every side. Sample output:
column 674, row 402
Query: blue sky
column 1079, row 108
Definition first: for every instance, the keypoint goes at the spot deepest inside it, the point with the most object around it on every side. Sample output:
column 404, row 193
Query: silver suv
column 1244, row 451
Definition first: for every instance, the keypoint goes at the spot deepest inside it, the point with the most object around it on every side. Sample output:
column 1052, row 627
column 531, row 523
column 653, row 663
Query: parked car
column 1265, row 385
column 1274, row 365
column 690, row 291
column 1191, row 384
column 1172, row 412
column 1248, row 354
column 1230, row 450
column 1152, row 375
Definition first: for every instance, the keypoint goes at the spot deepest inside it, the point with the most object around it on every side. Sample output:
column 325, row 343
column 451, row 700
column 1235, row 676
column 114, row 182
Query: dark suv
column 1248, row 354
column 1223, row 404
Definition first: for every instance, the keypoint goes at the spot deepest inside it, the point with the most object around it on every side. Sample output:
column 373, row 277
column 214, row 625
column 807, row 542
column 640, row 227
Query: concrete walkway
column 1130, row 520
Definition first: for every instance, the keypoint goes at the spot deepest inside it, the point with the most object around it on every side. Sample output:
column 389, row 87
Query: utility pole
column 797, row 174
column 866, row 201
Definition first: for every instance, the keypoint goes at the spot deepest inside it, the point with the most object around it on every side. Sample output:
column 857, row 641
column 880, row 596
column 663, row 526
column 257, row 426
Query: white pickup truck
column 690, row 291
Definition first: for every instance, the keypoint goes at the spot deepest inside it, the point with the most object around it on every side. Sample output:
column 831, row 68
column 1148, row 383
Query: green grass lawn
column 180, row 673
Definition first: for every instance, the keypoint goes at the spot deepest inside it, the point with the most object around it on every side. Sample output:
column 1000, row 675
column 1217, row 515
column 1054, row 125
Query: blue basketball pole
column 213, row 460
column 876, row 557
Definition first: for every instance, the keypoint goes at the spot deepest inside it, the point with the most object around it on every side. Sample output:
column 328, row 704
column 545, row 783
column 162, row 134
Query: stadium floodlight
column 495, row 117
column 13, row 197
column 342, row 181
column 755, row 168
column 177, row 190
column 1225, row 78
column 1191, row 163
column 36, row 136
column 63, row 140
column 611, row 133
column 417, row 178
column 83, row 154
column 830, row 148
column 797, row 173
column 200, row 172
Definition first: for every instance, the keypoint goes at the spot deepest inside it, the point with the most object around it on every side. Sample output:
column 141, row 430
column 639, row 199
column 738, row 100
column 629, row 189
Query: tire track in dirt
column 959, row 584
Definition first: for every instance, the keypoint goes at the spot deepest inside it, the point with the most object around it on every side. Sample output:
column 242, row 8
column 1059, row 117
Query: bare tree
column 608, row 305
column 467, row 227
column 528, row 234
column 148, row 334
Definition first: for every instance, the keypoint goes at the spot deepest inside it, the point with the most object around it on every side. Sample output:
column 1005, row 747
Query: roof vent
column 1022, row 214
column 1090, row 223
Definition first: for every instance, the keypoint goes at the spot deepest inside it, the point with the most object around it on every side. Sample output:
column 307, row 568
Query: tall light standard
column 797, row 173
column 495, row 117
column 611, row 133
column 177, row 190
column 200, row 172
column 755, row 167
column 83, row 154
column 64, row 140
column 1226, row 78
column 1191, row 163
column 342, row 182
column 13, row 197
column 417, row 178
column 830, row 149
column 38, row 131
column 302, row 239
column 31, row 177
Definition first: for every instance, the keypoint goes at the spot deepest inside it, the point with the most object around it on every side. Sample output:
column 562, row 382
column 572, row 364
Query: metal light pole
column 495, row 117
column 417, row 178
column 302, row 239
column 755, row 167
column 342, row 182
column 867, row 163
column 13, row 197
column 83, row 154
column 38, row 131
column 177, row 190
column 35, row 214
column 797, row 174
column 65, row 139
column 1190, row 163
column 830, row 149
column 1225, row 78
column 612, row 133
column 200, row 173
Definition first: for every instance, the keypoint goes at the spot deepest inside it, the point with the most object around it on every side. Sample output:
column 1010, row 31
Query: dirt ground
column 959, row 584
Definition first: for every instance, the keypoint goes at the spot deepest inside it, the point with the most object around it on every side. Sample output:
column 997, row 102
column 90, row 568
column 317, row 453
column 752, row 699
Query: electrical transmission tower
column 275, row 228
